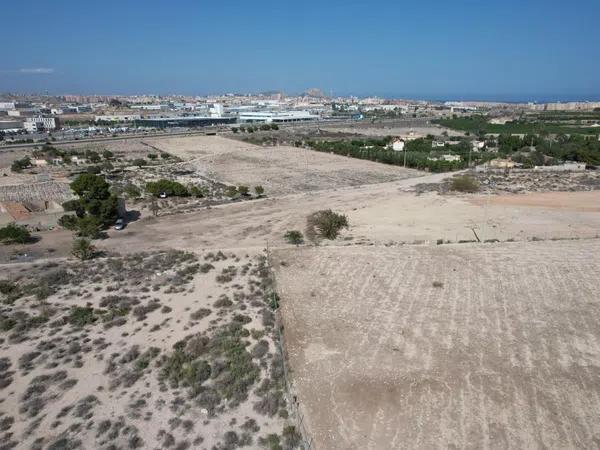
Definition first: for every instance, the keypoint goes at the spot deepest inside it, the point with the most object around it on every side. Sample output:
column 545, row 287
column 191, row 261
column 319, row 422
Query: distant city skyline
column 460, row 50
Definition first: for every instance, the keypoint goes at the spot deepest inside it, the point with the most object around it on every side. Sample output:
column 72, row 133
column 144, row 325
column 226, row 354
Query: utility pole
column 405, row 152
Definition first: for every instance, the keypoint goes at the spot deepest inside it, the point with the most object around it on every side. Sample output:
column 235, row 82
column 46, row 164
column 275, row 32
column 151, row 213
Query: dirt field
column 504, row 354
column 280, row 170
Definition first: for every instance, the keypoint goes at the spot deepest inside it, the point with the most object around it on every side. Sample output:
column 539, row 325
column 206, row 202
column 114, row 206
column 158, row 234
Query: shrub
column 259, row 190
column 68, row 221
column 81, row 316
column 132, row 191
column 20, row 164
column 243, row 190
column 139, row 162
column 294, row 237
column 231, row 191
column 325, row 224
column 83, row 249
column 464, row 184
column 13, row 233
column 169, row 187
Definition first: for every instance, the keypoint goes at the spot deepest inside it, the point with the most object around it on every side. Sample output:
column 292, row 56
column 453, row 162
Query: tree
column 107, row 154
column 165, row 155
column 115, row 103
column 83, row 249
column 13, row 233
column 95, row 197
column 88, row 227
column 294, row 237
column 259, row 190
column 152, row 156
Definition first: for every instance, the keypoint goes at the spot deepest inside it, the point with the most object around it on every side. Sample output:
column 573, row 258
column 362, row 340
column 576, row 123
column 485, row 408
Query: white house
column 398, row 145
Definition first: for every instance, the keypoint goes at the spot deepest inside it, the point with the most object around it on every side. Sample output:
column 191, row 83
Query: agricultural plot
column 280, row 169
column 450, row 346
column 150, row 350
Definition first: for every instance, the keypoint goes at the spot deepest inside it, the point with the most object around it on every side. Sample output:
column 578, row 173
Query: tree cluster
column 95, row 209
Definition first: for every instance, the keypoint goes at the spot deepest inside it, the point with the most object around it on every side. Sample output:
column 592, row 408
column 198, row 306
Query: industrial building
column 276, row 116
column 191, row 121
column 33, row 124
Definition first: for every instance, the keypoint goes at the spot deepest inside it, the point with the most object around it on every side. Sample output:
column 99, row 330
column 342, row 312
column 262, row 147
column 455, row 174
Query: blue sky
column 527, row 49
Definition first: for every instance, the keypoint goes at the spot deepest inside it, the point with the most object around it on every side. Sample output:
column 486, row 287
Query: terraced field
column 450, row 346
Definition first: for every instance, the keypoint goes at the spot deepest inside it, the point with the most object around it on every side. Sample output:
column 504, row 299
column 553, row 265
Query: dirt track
column 504, row 355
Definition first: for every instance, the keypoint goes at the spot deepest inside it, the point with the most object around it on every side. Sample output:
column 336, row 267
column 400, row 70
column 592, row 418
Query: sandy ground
column 280, row 170
column 504, row 354
column 378, row 214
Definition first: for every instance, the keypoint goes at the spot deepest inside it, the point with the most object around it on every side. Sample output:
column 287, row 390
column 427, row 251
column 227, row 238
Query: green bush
column 13, row 233
column 259, row 190
column 325, row 224
column 294, row 237
column 169, row 187
column 83, row 249
column 464, row 184
column 20, row 164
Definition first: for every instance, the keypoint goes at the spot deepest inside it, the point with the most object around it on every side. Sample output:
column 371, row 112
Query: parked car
column 119, row 224
column 163, row 195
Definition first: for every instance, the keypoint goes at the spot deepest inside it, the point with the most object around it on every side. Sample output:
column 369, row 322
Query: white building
column 478, row 146
column 398, row 145
column 216, row 110
column 7, row 106
column 449, row 158
column 118, row 118
column 276, row 116
column 33, row 124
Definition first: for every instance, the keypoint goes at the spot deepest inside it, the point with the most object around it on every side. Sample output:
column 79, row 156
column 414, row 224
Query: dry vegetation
column 162, row 349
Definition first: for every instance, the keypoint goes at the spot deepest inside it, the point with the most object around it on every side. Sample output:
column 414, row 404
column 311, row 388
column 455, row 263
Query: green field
column 479, row 124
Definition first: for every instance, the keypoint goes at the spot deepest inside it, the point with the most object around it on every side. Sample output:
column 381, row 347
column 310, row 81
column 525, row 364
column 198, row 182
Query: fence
column 291, row 398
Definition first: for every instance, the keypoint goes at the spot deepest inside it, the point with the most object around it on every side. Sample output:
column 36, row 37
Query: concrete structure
column 216, row 110
column 566, row 167
column 11, row 125
column 276, row 116
column 117, row 118
column 500, row 163
column 192, row 121
column 6, row 106
column 33, row 124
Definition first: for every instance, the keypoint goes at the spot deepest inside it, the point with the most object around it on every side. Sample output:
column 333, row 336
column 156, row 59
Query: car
column 119, row 224
column 163, row 195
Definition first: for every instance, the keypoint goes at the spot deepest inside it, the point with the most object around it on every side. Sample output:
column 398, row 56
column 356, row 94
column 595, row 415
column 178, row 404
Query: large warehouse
column 276, row 116
column 192, row 121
